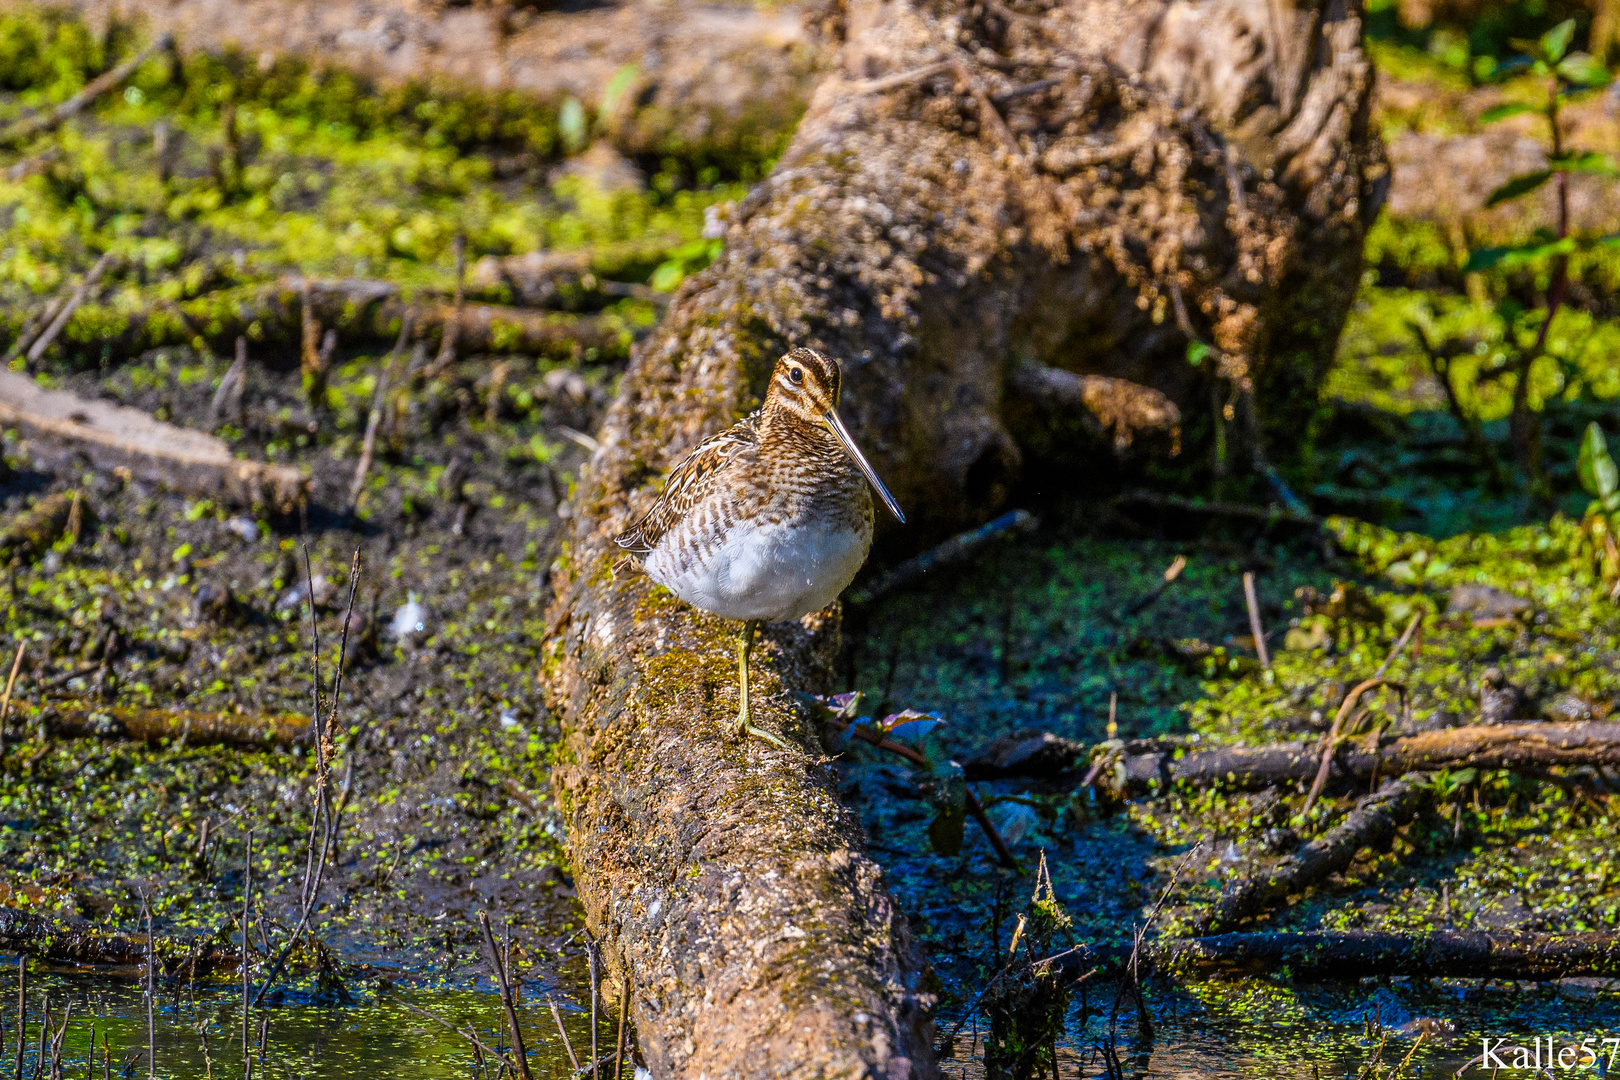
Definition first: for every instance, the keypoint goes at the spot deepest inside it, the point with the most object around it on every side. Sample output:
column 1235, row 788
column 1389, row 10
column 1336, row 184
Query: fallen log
column 929, row 239
column 1349, row 955
column 80, row 719
column 1372, row 822
column 118, row 437
column 1139, row 768
column 30, row 934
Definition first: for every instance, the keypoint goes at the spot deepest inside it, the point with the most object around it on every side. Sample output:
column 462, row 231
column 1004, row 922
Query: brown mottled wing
column 688, row 483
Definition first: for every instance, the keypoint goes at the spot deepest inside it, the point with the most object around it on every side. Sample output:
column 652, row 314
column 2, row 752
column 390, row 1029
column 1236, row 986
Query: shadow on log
column 975, row 189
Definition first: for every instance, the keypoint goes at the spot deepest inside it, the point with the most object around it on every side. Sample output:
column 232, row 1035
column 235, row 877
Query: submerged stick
column 508, row 1006
column 1372, row 822
column 568, row 1046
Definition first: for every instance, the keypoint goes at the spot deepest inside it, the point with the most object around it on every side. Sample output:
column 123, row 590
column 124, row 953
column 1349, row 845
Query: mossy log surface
column 970, row 192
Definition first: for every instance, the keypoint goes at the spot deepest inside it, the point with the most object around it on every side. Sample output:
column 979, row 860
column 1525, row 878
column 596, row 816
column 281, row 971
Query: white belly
column 770, row 572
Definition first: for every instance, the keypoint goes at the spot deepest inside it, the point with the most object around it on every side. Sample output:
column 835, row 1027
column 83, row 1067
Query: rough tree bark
column 976, row 189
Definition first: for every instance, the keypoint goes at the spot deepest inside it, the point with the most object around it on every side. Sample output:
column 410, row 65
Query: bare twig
column 101, row 84
column 230, row 386
column 1218, row 508
column 247, row 982
column 91, row 280
column 593, row 958
column 1255, row 626
column 568, row 1047
column 1171, row 574
column 1330, row 743
column 322, row 828
column 151, row 995
column 22, row 1010
column 469, row 1035
column 368, row 445
column 5, row 702
column 452, row 328
column 624, row 1024
column 507, row 1004
column 1400, row 646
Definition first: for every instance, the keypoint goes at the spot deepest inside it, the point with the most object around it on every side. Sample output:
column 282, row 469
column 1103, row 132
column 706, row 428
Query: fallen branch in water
column 1373, row 822
column 101, row 84
column 1348, row 955
column 119, row 437
column 1140, row 768
column 31, row 934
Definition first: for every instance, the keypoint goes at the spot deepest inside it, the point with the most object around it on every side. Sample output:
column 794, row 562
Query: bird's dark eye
column 796, row 375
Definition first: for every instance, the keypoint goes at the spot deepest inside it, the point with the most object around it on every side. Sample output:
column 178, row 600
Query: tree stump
column 978, row 192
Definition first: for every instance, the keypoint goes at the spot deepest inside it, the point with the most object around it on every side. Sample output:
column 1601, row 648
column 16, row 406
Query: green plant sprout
column 1568, row 75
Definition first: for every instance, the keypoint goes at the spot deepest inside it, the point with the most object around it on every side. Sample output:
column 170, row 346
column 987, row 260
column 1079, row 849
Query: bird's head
column 805, row 385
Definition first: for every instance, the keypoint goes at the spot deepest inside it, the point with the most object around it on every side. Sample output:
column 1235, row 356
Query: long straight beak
column 837, row 427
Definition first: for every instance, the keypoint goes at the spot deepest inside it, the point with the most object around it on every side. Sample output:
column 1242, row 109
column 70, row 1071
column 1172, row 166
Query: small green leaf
column 1519, row 185
column 1196, row 352
column 1583, row 69
column 1596, row 469
column 1507, row 109
column 1484, row 258
column 1555, row 42
column 1585, row 161
column 572, row 125
column 617, row 89
column 946, row 830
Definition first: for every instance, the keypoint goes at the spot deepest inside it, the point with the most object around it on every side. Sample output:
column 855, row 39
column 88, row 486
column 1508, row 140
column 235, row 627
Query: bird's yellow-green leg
column 745, row 646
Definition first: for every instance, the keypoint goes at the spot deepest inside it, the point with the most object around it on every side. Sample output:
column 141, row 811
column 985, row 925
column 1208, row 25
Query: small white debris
column 244, row 528
column 1016, row 821
column 409, row 620
column 508, row 719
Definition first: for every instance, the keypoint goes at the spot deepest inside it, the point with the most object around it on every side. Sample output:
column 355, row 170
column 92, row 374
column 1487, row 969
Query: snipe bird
column 768, row 520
